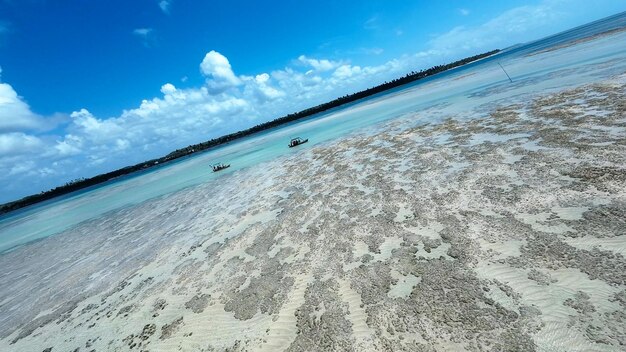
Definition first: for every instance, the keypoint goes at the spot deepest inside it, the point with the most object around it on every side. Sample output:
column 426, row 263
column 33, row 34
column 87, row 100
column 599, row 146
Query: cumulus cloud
column 98, row 130
column 168, row 88
column 69, row 146
column 21, row 167
column 464, row 12
column 260, row 88
column 18, row 143
column 346, row 71
column 15, row 114
column 217, row 69
column 24, row 156
column 318, row 64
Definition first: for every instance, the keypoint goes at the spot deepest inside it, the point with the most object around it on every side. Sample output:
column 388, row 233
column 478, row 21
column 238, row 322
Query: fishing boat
column 297, row 141
column 219, row 167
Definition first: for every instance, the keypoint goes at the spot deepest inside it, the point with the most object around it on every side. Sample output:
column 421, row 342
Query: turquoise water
column 452, row 94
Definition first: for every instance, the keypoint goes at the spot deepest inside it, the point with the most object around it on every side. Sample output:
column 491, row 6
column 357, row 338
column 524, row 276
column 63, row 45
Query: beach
column 493, row 226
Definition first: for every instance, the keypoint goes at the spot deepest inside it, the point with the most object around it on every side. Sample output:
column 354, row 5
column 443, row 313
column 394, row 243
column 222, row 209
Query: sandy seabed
column 501, row 230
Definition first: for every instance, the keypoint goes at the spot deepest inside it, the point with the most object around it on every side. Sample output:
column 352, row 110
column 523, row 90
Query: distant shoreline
column 83, row 183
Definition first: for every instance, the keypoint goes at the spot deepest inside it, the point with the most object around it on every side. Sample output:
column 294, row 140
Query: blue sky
column 90, row 86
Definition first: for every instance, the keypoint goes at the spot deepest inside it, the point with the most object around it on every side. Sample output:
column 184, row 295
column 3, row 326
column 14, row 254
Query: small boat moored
column 219, row 167
column 297, row 141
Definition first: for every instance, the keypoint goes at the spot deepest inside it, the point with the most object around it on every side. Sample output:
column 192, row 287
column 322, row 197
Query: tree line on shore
column 82, row 183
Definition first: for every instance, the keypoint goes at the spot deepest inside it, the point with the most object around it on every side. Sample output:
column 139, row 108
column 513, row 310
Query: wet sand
column 503, row 229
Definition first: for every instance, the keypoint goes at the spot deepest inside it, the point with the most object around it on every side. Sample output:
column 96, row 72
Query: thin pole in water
column 507, row 75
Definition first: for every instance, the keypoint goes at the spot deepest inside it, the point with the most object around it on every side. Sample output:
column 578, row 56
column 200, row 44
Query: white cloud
column 21, row 167
column 319, row 65
column 165, row 5
column 98, row 130
column 122, row 144
column 260, row 88
column 262, row 78
column 346, row 71
column 15, row 114
column 464, row 12
column 508, row 27
column 217, row 69
column 146, row 35
column 168, row 88
column 71, row 145
column 142, row 32
column 18, row 143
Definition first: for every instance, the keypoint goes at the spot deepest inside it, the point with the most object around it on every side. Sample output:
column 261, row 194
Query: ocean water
column 535, row 69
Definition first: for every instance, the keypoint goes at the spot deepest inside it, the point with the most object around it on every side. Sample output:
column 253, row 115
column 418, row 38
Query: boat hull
column 220, row 169
column 295, row 145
